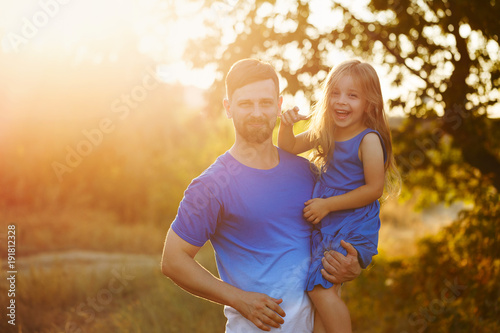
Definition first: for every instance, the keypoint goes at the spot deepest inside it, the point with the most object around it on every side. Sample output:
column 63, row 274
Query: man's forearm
column 188, row 274
column 179, row 265
column 195, row 279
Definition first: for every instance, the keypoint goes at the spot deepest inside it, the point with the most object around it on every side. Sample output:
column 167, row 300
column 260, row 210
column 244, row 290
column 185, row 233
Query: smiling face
column 348, row 106
column 254, row 108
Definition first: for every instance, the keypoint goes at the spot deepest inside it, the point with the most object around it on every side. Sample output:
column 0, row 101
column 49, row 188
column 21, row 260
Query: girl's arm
column 286, row 139
column 372, row 156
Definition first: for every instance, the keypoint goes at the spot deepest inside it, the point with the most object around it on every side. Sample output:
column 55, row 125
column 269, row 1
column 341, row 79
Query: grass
column 84, row 296
column 121, row 297
column 93, row 230
column 161, row 307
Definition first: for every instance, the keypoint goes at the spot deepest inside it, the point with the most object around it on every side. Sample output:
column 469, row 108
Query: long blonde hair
column 322, row 126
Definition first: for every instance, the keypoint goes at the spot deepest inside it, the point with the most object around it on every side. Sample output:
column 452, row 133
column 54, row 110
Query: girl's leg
column 332, row 310
column 318, row 324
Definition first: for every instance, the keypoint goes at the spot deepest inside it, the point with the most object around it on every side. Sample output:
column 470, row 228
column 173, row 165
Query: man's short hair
column 248, row 71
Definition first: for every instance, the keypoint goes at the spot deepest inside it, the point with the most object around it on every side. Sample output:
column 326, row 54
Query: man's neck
column 256, row 155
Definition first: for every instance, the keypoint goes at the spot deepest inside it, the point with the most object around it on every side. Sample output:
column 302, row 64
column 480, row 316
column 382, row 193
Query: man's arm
column 179, row 265
column 339, row 268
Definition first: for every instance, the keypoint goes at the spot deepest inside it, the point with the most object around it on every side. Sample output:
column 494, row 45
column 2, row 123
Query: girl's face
column 347, row 105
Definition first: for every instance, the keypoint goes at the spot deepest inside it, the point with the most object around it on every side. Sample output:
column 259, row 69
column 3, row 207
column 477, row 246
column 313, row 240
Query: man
column 249, row 205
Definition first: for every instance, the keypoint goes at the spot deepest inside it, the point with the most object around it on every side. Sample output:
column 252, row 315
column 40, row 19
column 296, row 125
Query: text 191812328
column 11, row 274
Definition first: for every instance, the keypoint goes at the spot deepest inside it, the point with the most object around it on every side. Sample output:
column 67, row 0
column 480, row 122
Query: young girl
column 353, row 154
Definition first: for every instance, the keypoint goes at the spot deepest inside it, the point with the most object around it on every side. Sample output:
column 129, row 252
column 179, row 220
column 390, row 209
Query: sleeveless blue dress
column 358, row 226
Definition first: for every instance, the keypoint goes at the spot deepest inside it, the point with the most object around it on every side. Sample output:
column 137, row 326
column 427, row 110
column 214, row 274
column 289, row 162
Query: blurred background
column 109, row 108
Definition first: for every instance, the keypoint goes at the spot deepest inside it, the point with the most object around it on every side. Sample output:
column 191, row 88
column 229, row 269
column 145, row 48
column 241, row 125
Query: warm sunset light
column 98, row 32
column 110, row 110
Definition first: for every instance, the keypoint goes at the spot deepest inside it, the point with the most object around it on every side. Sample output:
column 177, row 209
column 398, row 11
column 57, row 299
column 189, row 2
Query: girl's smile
column 341, row 114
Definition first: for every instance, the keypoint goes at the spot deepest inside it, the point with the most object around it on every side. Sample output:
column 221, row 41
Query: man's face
column 254, row 109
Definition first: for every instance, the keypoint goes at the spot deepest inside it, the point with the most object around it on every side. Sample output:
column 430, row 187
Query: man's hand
column 263, row 311
column 339, row 268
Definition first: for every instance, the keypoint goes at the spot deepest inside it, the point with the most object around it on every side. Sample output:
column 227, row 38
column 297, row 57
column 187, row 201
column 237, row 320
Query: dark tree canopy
column 442, row 56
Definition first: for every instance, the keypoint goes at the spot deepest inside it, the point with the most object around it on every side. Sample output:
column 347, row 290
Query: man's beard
column 254, row 135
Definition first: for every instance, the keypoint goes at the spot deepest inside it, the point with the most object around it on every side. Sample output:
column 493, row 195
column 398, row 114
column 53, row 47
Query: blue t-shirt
column 254, row 221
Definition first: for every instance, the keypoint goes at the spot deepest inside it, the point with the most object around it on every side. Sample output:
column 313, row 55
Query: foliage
column 136, row 172
column 441, row 55
column 451, row 285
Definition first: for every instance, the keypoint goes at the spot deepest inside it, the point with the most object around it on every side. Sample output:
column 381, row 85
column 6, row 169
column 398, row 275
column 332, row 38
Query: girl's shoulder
column 371, row 140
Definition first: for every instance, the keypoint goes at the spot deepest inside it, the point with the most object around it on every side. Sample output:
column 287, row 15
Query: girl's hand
column 291, row 116
column 316, row 209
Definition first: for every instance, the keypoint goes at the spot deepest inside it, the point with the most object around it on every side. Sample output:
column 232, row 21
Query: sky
column 77, row 27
